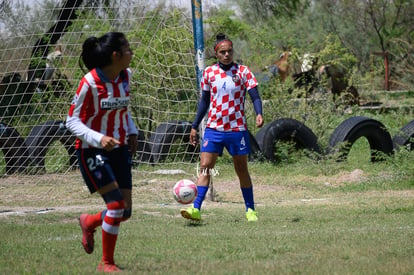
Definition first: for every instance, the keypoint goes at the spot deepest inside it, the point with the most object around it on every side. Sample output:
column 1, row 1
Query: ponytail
column 91, row 52
column 97, row 52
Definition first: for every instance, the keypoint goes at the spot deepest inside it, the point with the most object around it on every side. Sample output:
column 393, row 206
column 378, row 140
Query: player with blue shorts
column 224, row 86
column 236, row 143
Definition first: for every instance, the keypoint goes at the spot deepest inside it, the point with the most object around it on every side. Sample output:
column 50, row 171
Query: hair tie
column 222, row 41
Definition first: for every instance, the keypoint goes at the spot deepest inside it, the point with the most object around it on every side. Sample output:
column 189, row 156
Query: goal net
column 40, row 71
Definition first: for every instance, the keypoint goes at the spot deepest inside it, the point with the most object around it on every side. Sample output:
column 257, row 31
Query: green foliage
column 335, row 53
column 257, row 10
column 224, row 21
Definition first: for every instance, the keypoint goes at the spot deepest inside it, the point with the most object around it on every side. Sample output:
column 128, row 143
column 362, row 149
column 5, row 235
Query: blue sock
column 201, row 194
column 248, row 197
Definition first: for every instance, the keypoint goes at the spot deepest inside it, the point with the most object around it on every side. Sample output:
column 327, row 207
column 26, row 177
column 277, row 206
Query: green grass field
column 355, row 217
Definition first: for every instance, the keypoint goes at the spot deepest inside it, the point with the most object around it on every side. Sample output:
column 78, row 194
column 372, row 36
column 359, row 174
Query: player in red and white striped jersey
column 100, row 108
column 224, row 86
column 106, row 138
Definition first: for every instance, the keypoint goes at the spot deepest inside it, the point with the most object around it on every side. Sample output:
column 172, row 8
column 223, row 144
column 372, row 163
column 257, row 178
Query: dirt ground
column 67, row 193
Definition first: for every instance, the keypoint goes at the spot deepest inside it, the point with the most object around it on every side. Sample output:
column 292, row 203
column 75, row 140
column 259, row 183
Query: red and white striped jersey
column 227, row 96
column 100, row 107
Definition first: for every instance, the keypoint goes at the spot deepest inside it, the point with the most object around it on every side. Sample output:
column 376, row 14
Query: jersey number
column 93, row 163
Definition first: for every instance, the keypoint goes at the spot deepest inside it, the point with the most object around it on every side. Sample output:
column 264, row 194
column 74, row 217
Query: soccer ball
column 184, row 191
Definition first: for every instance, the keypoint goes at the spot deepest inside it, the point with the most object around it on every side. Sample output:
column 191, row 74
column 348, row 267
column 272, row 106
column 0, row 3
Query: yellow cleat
column 251, row 215
column 191, row 213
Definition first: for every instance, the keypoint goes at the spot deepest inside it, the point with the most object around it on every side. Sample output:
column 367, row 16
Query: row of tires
column 341, row 140
column 20, row 153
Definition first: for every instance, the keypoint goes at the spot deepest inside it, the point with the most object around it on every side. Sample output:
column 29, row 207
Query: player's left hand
column 193, row 137
column 259, row 121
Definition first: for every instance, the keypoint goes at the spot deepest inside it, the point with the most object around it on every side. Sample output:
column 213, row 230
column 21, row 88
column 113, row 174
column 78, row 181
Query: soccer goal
column 40, row 72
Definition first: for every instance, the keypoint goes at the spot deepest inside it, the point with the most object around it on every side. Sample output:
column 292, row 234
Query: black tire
column 143, row 149
column 168, row 133
column 40, row 138
column 345, row 135
column 405, row 137
column 286, row 129
column 13, row 148
column 260, row 135
column 255, row 151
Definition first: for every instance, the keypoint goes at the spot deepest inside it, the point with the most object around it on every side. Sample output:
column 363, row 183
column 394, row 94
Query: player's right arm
column 201, row 112
column 79, row 108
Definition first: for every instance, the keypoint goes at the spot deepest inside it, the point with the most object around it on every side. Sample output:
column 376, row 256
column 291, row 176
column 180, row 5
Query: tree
column 259, row 9
column 370, row 26
column 67, row 14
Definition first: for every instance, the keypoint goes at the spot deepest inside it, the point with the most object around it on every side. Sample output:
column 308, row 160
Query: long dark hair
column 97, row 51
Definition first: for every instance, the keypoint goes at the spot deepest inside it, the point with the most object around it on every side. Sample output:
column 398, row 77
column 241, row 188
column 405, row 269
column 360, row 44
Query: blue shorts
column 236, row 143
column 100, row 167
